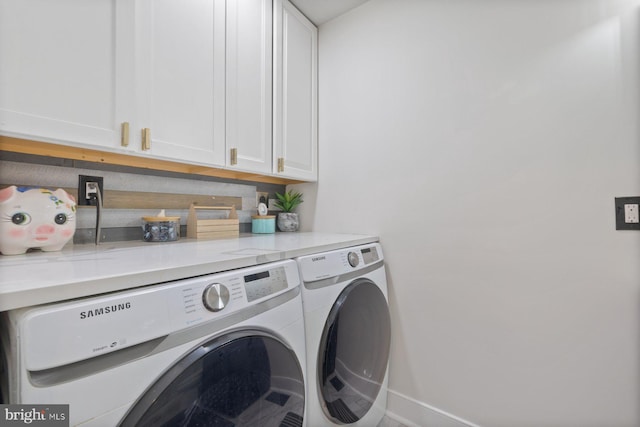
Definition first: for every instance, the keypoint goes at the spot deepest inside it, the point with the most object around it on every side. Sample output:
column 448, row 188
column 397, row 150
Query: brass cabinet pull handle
column 124, row 134
column 280, row 164
column 146, row 139
column 234, row 156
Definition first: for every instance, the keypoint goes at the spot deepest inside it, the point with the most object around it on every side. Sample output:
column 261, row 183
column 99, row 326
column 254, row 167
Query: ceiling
column 321, row 11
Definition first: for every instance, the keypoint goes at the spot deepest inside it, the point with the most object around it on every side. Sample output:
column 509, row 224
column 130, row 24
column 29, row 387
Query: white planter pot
column 288, row 221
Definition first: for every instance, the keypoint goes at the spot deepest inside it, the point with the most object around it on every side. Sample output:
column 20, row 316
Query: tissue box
column 263, row 224
column 160, row 228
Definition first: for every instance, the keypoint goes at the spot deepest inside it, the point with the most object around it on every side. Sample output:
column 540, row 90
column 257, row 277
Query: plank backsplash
column 131, row 194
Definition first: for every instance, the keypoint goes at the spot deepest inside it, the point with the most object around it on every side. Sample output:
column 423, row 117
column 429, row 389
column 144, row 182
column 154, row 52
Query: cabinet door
column 295, row 93
column 180, row 79
column 249, row 81
column 65, row 70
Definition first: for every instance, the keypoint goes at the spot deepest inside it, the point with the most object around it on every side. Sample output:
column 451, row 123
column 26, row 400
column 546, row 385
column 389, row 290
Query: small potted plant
column 287, row 202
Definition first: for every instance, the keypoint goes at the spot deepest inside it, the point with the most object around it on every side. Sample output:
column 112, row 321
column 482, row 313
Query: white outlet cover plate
column 631, row 214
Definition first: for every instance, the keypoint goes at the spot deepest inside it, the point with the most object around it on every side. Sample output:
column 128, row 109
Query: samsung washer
column 223, row 349
column 348, row 333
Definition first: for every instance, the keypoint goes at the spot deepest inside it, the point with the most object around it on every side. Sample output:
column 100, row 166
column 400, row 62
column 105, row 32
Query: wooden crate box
column 213, row 228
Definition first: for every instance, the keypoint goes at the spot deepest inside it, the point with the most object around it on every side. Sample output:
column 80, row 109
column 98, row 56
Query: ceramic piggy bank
column 35, row 218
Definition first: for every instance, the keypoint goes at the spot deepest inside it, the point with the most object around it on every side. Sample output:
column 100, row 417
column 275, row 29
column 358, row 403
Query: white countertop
column 83, row 270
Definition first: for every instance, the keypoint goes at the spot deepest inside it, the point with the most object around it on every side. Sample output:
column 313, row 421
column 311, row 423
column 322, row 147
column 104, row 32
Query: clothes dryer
column 222, row 349
column 348, row 333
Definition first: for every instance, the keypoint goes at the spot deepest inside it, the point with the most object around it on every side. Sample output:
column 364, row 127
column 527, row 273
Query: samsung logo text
column 105, row 310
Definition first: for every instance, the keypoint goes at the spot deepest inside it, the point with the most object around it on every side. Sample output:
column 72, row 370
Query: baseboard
column 412, row 413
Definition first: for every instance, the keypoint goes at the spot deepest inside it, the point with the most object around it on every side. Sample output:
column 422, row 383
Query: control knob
column 215, row 297
column 353, row 259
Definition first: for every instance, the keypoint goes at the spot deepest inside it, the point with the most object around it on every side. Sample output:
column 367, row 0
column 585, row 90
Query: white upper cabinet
column 180, row 79
column 59, row 77
column 229, row 83
column 249, row 84
column 74, row 70
column 295, row 134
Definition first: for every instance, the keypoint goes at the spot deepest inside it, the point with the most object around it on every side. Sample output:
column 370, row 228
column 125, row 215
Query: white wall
column 484, row 141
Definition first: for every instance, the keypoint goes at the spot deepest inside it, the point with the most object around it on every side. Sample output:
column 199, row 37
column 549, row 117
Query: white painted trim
column 419, row 414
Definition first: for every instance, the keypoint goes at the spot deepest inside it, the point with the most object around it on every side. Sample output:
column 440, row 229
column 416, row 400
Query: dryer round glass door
column 354, row 352
column 245, row 378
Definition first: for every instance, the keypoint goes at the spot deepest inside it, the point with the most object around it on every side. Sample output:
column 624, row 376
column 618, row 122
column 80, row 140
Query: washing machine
column 348, row 331
column 224, row 349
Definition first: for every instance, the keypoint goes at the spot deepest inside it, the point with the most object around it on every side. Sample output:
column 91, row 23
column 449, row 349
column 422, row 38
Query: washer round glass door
column 245, row 378
column 354, row 352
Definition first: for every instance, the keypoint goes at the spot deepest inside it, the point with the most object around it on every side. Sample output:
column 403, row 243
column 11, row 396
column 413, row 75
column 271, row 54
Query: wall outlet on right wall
column 627, row 213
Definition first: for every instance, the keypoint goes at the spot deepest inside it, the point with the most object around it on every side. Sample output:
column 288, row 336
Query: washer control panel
column 264, row 283
column 225, row 292
column 100, row 325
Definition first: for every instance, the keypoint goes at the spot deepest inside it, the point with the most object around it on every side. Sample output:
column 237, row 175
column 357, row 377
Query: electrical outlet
column 627, row 213
column 631, row 213
column 262, row 197
column 86, row 194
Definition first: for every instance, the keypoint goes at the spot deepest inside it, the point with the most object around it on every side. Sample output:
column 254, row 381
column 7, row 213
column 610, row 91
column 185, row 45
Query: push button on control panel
column 215, row 297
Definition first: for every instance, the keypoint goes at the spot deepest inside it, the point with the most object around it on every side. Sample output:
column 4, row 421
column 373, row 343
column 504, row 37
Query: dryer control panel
column 336, row 263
